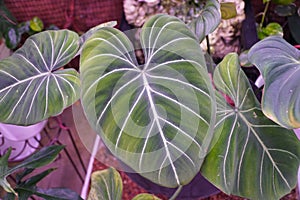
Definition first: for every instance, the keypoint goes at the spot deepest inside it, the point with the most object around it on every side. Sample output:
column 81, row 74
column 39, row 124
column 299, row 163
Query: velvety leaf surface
column 208, row 21
column 106, row 185
column 279, row 64
column 156, row 117
column 252, row 156
column 32, row 88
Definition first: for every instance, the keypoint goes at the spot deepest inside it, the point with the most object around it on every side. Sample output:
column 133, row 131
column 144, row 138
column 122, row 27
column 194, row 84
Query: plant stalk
column 264, row 14
column 177, row 192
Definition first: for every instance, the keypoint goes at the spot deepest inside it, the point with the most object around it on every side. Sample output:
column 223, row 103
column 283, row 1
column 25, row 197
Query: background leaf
column 228, row 10
column 279, row 64
column 31, row 83
column 156, row 117
column 251, row 157
column 294, row 23
column 106, row 184
column 208, row 21
column 145, row 197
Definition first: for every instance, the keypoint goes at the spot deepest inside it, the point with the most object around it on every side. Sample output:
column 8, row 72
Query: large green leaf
column 208, row 21
column 32, row 88
column 252, row 157
column 106, row 185
column 279, row 64
column 157, row 117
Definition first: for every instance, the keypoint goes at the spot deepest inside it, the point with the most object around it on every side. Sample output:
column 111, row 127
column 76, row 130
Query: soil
column 131, row 189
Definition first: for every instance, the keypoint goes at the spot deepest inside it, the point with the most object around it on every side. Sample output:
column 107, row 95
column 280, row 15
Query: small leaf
column 279, row 64
column 285, row 10
column 294, row 24
column 41, row 158
column 32, row 181
column 4, row 172
column 244, row 61
column 145, row 197
column 12, row 38
column 208, row 21
column 36, row 24
column 251, row 156
column 228, row 10
column 272, row 28
column 283, row 2
column 106, row 184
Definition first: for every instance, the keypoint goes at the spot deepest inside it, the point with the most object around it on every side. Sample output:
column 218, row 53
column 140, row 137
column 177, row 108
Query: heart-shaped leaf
column 32, row 88
column 208, row 21
column 106, row 184
column 156, row 117
column 279, row 64
column 252, row 156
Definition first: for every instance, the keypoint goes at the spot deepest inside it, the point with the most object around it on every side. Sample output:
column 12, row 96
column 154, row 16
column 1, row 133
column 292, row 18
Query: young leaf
column 279, row 64
column 31, row 83
column 228, row 10
column 145, row 197
column 156, row 117
column 106, row 184
column 208, row 21
column 252, row 157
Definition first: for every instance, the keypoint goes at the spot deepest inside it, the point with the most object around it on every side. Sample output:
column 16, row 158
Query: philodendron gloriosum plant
column 166, row 118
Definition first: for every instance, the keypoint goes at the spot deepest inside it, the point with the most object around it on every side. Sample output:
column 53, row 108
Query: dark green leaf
column 41, row 158
column 33, row 87
column 294, row 24
column 208, row 21
column 12, row 38
column 106, row 184
column 279, row 64
column 22, row 174
column 285, row 10
column 228, row 10
column 283, row 2
column 252, row 156
column 157, row 117
column 4, row 172
column 32, row 181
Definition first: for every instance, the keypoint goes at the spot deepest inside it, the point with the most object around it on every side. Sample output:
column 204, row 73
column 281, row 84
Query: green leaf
column 228, row 10
column 32, row 88
column 36, row 24
column 272, row 28
column 32, row 181
column 208, row 21
column 294, row 24
column 252, row 157
column 4, row 172
column 12, row 37
column 157, row 117
column 283, row 2
column 106, row 184
column 145, row 197
column 279, row 64
column 41, row 158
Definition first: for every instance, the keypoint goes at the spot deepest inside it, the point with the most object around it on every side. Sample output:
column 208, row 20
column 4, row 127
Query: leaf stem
column 264, row 14
column 176, row 192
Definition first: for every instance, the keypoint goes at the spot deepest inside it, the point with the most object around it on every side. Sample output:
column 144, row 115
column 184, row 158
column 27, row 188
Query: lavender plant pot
column 23, row 140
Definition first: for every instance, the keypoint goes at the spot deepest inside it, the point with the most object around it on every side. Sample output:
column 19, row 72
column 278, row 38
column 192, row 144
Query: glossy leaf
column 252, row 156
column 272, row 28
column 208, row 21
column 106, row 184
column 228, row 10
column 145, row 197
column 156, row 117
column 36, row 24
column 32, row 88
column 279, row 64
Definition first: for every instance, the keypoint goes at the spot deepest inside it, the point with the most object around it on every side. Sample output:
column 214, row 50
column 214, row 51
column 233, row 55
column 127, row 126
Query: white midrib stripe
column 23, row 81
column 265, row 149
column 155, row 116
